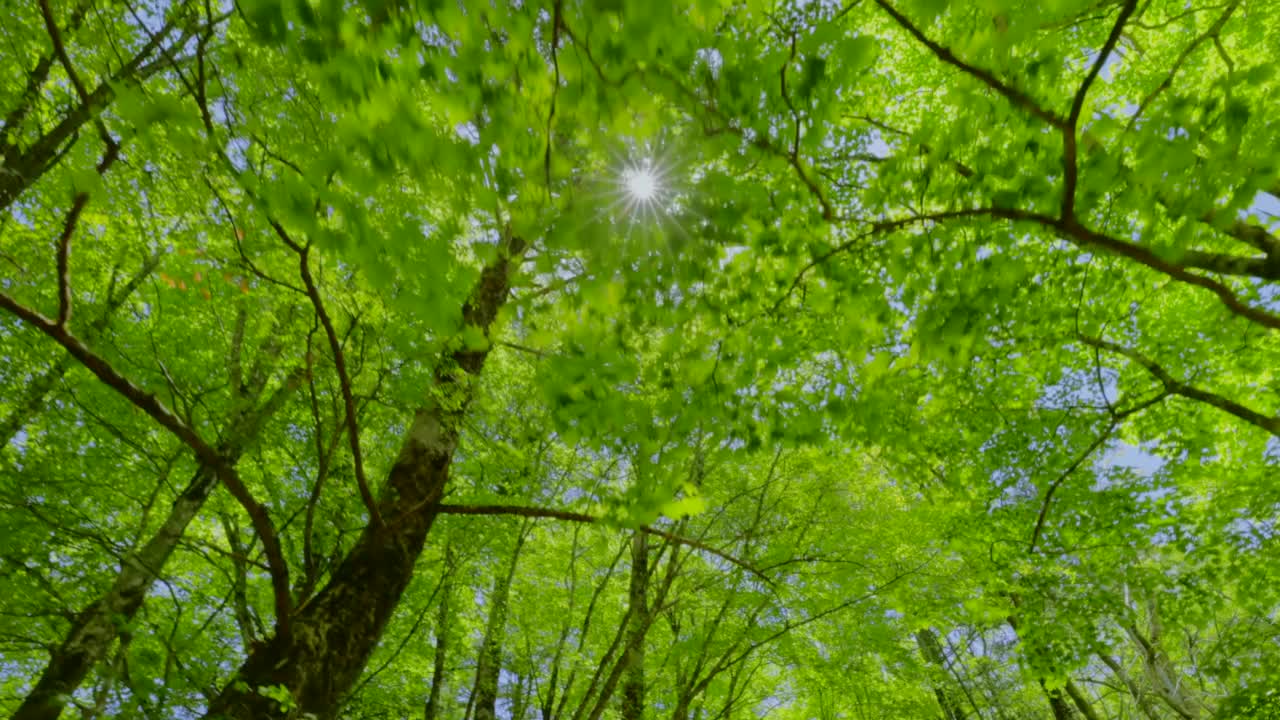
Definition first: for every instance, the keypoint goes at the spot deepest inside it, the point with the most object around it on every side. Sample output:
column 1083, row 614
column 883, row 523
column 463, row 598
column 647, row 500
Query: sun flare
column 640, row 182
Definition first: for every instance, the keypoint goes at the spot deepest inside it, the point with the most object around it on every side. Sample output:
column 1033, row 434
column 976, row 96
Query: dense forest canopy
column 582, row 359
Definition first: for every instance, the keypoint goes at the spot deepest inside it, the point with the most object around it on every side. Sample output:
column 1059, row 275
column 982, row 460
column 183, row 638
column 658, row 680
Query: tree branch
column 1019, row 98
column 60, row 50
column 1210, row 34
column 148, row 403
column 1265, row 268
column 533, row 512
column 1070, row 169
column 340, row 364
column 1173, row 386
column 64, row 258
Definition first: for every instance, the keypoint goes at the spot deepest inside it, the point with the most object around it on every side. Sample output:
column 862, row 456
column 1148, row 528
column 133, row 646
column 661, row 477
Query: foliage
column 343, row 375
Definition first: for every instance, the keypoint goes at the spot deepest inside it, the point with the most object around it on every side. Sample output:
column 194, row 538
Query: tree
column 877, row 359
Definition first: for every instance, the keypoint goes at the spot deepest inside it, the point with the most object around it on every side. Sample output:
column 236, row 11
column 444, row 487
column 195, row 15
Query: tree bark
column 489, row 663
column 1082, row 703
column 1144, row 704
column 334, row 633
column 931, row 649
column 633, row 685
column 444, row 625
column 1058, row 703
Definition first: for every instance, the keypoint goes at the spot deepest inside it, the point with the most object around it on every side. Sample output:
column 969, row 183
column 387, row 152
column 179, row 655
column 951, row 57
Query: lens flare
column 640, row 182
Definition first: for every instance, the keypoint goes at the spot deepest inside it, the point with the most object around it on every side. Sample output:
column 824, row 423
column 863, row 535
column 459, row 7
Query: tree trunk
column 931, row 649
column 1082, row 702
column 1144, row 704
column 1159, row 669
column 633, row 685
column 98, row 625
column 489, row 663
column 635, row 635
column 444, row 625
column 1059, row 703
column 335, row 632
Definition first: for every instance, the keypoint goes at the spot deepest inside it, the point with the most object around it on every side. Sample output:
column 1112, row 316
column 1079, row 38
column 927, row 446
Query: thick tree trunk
column 334, row 632
column 1082, row 702
column 931, row 649
column 98, row 625
column 633, row 685
column 489, row 663
column 1144, row 703
column 1058, row 703
column 444, row 625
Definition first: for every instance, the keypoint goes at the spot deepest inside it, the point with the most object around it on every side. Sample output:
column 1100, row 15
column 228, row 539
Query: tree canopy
column 582, row 359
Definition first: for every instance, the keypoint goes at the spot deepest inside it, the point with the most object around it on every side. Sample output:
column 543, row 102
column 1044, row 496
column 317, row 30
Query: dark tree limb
column 1016, row 96
column 1173, row 386
column 148, row 403
column 1070, row 165
column 340, row 364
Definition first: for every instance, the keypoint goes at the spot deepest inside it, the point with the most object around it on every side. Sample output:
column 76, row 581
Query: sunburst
column 641, row 183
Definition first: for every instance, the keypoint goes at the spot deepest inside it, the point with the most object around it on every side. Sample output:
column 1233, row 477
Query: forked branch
column 148, row 403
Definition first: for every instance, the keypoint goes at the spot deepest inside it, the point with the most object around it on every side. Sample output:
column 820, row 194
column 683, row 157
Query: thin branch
column 1019, row 98
column 521, row 348
column 36, row 80
column 533, row 512
column 64, row 258
column 1210, row 34
column 340, row 364
column 1173, row 386
column 60, row 50
column 1057, row 482
column 555, row 90
column 1078, row 234
column 1069, row 149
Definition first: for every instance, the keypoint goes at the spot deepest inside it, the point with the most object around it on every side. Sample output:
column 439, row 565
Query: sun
column 642, row 189
column 641, row 182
